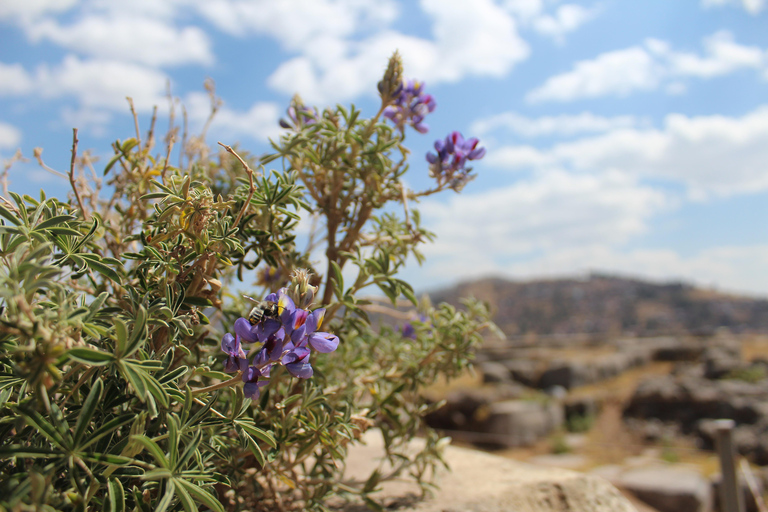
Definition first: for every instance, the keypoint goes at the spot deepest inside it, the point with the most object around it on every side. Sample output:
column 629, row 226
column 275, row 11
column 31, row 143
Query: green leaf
column 255, row 431
column 107, row 458
column 134, row 376
column 116, row 496
column 121, row 332
column 28, row 452
column 139, row 332
column 9, row 216
column 95, row 263
column 167, row 498
column 338, row 278
column 108, row 427
column 86, row 412
column 153, row 449
column 35, row 420
column 186, row 500
column 112, row 161
column 189, row 451
column 156, row 389
column 90, row 356
column 173, row 375
column 201, row 495
column 55, row 221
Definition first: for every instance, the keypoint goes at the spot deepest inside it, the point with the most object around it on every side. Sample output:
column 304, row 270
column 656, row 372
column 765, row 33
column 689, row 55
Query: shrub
column 118, row 314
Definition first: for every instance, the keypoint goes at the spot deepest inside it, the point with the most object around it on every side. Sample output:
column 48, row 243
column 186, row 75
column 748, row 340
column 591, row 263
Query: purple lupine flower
column 273, row 349
column 245, row 331
column 269, row 277
column 299, row 116
column 448, row 165
column 252, row 378
column 411, row 106
column 236, row 360
column 287, row 337
column 296, row 361
column 305, row 334
column 409, row 331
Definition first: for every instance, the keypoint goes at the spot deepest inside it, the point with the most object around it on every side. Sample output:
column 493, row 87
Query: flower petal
column 229, row 344
column 324, row 342
column 243, row 328
column 300, row 369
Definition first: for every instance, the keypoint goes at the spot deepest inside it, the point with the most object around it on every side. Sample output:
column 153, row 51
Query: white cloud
column 567, row 18
column 470, row 38
column 297, row 23
column 103, row 83
column 10, row 136
column 260, row 122
column 712, row 155
column 128, row 38
column 566, row 125
column 96, row 83
column 751, row 6
column 723, row 56
column 28, row 10
column 551, row 210
column 14, row 80
column 619, row 73
column 646, row 67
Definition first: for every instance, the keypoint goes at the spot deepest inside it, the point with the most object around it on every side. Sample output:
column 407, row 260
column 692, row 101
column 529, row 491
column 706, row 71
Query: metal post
column 730, row 493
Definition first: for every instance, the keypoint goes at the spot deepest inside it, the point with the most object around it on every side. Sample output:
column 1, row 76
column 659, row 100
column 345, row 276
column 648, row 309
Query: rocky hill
column 609, row 305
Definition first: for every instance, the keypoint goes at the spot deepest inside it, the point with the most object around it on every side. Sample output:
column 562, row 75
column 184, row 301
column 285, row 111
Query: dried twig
column 38, row 154
column 250, row 181
column 135, row 120
column 72, row 174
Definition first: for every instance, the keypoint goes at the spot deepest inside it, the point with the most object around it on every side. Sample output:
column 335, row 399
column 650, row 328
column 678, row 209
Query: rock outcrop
column 480, row 482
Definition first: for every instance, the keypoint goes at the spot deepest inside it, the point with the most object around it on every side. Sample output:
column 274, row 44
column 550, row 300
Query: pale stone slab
column 481, row 482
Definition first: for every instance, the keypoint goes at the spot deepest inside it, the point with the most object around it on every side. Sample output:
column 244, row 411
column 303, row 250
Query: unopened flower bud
column 392, row 83
column 302, row 293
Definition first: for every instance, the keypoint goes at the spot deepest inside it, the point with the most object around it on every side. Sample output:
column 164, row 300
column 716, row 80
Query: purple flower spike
column 410, row 107
column 297, row 363
column 252, row 387
column 448, row 165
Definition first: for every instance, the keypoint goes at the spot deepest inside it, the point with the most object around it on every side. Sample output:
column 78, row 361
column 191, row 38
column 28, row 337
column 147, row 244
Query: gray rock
column 568, row 374
column 669, row 489
column 494, row 372
column 521, row 422
column 524, row 371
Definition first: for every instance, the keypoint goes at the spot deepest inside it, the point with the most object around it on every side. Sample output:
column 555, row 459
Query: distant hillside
column 610, row 305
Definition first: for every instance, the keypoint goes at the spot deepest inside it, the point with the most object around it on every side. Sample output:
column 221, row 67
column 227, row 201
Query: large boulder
column 521, row 422
column 669, row 489
column 480, row 482
column 568, row 374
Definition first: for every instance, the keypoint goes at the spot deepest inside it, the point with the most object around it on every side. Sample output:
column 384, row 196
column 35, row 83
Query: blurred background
column 628, row 138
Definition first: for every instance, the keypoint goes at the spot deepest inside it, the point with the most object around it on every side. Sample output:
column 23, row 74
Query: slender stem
column 72, row 174
column 227, row 383
column 250, row 181
column 135, row 121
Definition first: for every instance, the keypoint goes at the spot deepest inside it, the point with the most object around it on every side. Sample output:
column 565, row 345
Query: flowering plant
column 120, row 326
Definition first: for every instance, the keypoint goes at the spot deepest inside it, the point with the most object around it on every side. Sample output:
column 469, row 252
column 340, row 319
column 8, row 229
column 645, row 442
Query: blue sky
column 622, row 136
